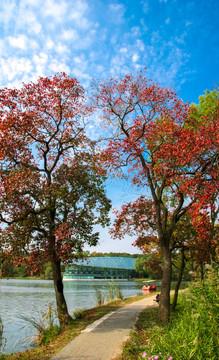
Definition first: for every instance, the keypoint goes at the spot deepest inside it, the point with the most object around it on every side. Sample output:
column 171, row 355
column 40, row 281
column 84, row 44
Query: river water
column 30, row 298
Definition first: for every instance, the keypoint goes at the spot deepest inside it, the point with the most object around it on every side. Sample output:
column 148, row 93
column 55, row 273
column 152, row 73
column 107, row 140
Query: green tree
column 48, row 271
column 140, row 266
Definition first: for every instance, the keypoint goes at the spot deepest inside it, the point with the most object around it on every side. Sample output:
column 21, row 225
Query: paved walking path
column 103, row 339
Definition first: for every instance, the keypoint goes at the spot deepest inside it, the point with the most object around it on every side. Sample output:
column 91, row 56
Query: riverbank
column 32, row 298
column 48, row 350
column 192, row 332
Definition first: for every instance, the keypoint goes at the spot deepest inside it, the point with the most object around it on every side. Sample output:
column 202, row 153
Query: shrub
column 79, row 314
column 193, row 330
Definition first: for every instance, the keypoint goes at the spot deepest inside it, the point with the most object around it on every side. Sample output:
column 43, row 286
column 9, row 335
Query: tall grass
column 1, row 332
column 99, row 294
column 192, row 332
column 46, row 326
column 1, row 336
column 3, row 341
column 108, row 292
column 118, row 291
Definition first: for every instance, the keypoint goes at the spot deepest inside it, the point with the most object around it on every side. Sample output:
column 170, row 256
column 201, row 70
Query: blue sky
column 177, row 40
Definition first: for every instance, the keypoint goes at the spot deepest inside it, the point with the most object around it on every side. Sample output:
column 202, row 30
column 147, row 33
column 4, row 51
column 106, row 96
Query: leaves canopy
column 52, row 191
column 170, row 155
column 167, row 150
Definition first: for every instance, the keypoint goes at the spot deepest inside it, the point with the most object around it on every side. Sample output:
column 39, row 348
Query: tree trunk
column 63, row 315
column 182, row 266
column 1, row 267
column 201, row 271
column 164, row 304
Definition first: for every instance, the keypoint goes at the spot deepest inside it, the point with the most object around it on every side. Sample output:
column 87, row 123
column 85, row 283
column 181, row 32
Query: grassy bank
column 192, row 332
column 61, row 338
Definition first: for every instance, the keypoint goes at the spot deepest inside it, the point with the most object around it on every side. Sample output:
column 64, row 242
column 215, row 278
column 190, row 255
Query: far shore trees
column 171, row 152
column 51, row 191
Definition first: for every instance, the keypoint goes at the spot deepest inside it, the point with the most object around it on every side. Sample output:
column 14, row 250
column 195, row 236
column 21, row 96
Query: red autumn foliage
column 169, row 154
column 51, row 191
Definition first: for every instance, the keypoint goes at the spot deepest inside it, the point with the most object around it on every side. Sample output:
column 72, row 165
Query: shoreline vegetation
column 190, row 334
column 90, row 280
column 62, row 338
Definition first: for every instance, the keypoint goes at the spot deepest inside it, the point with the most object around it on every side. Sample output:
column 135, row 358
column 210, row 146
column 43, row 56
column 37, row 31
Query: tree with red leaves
column 168, row 152
column 51, row 192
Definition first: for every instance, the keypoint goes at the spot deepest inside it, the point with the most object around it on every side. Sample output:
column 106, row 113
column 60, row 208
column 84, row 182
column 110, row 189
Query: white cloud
column 40, row 59
column 77, row 59
column 124, row 50
column 118, row 65
column 27, row 18
column 7, row 12
column 69, row 34
column 80, row 74
column 84, row 42
column 79, row 9
column 113, row 39
column 32, row 25
column 117, row 12
column 116, row 7
column 80, row 68
column 84, row 24
column 135, row 31
column 49, row 44
column 19, row 15
column 145, row 5
column 135, row 58
column 70, row 37
column 22, row 42
column 19, row 41
column 144, row 27
column 33, row 45
column 26, row 3
column 57, row 66
column 14, row 67
column 57, row 10
column 78, row 14
column 100, row 69
column 2, row 48
column 61, row 48
column 140, row 45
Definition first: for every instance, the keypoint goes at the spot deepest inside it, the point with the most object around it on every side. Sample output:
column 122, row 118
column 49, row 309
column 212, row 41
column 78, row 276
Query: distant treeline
column 142, row 268
column 9, row 270
column 113, row 254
